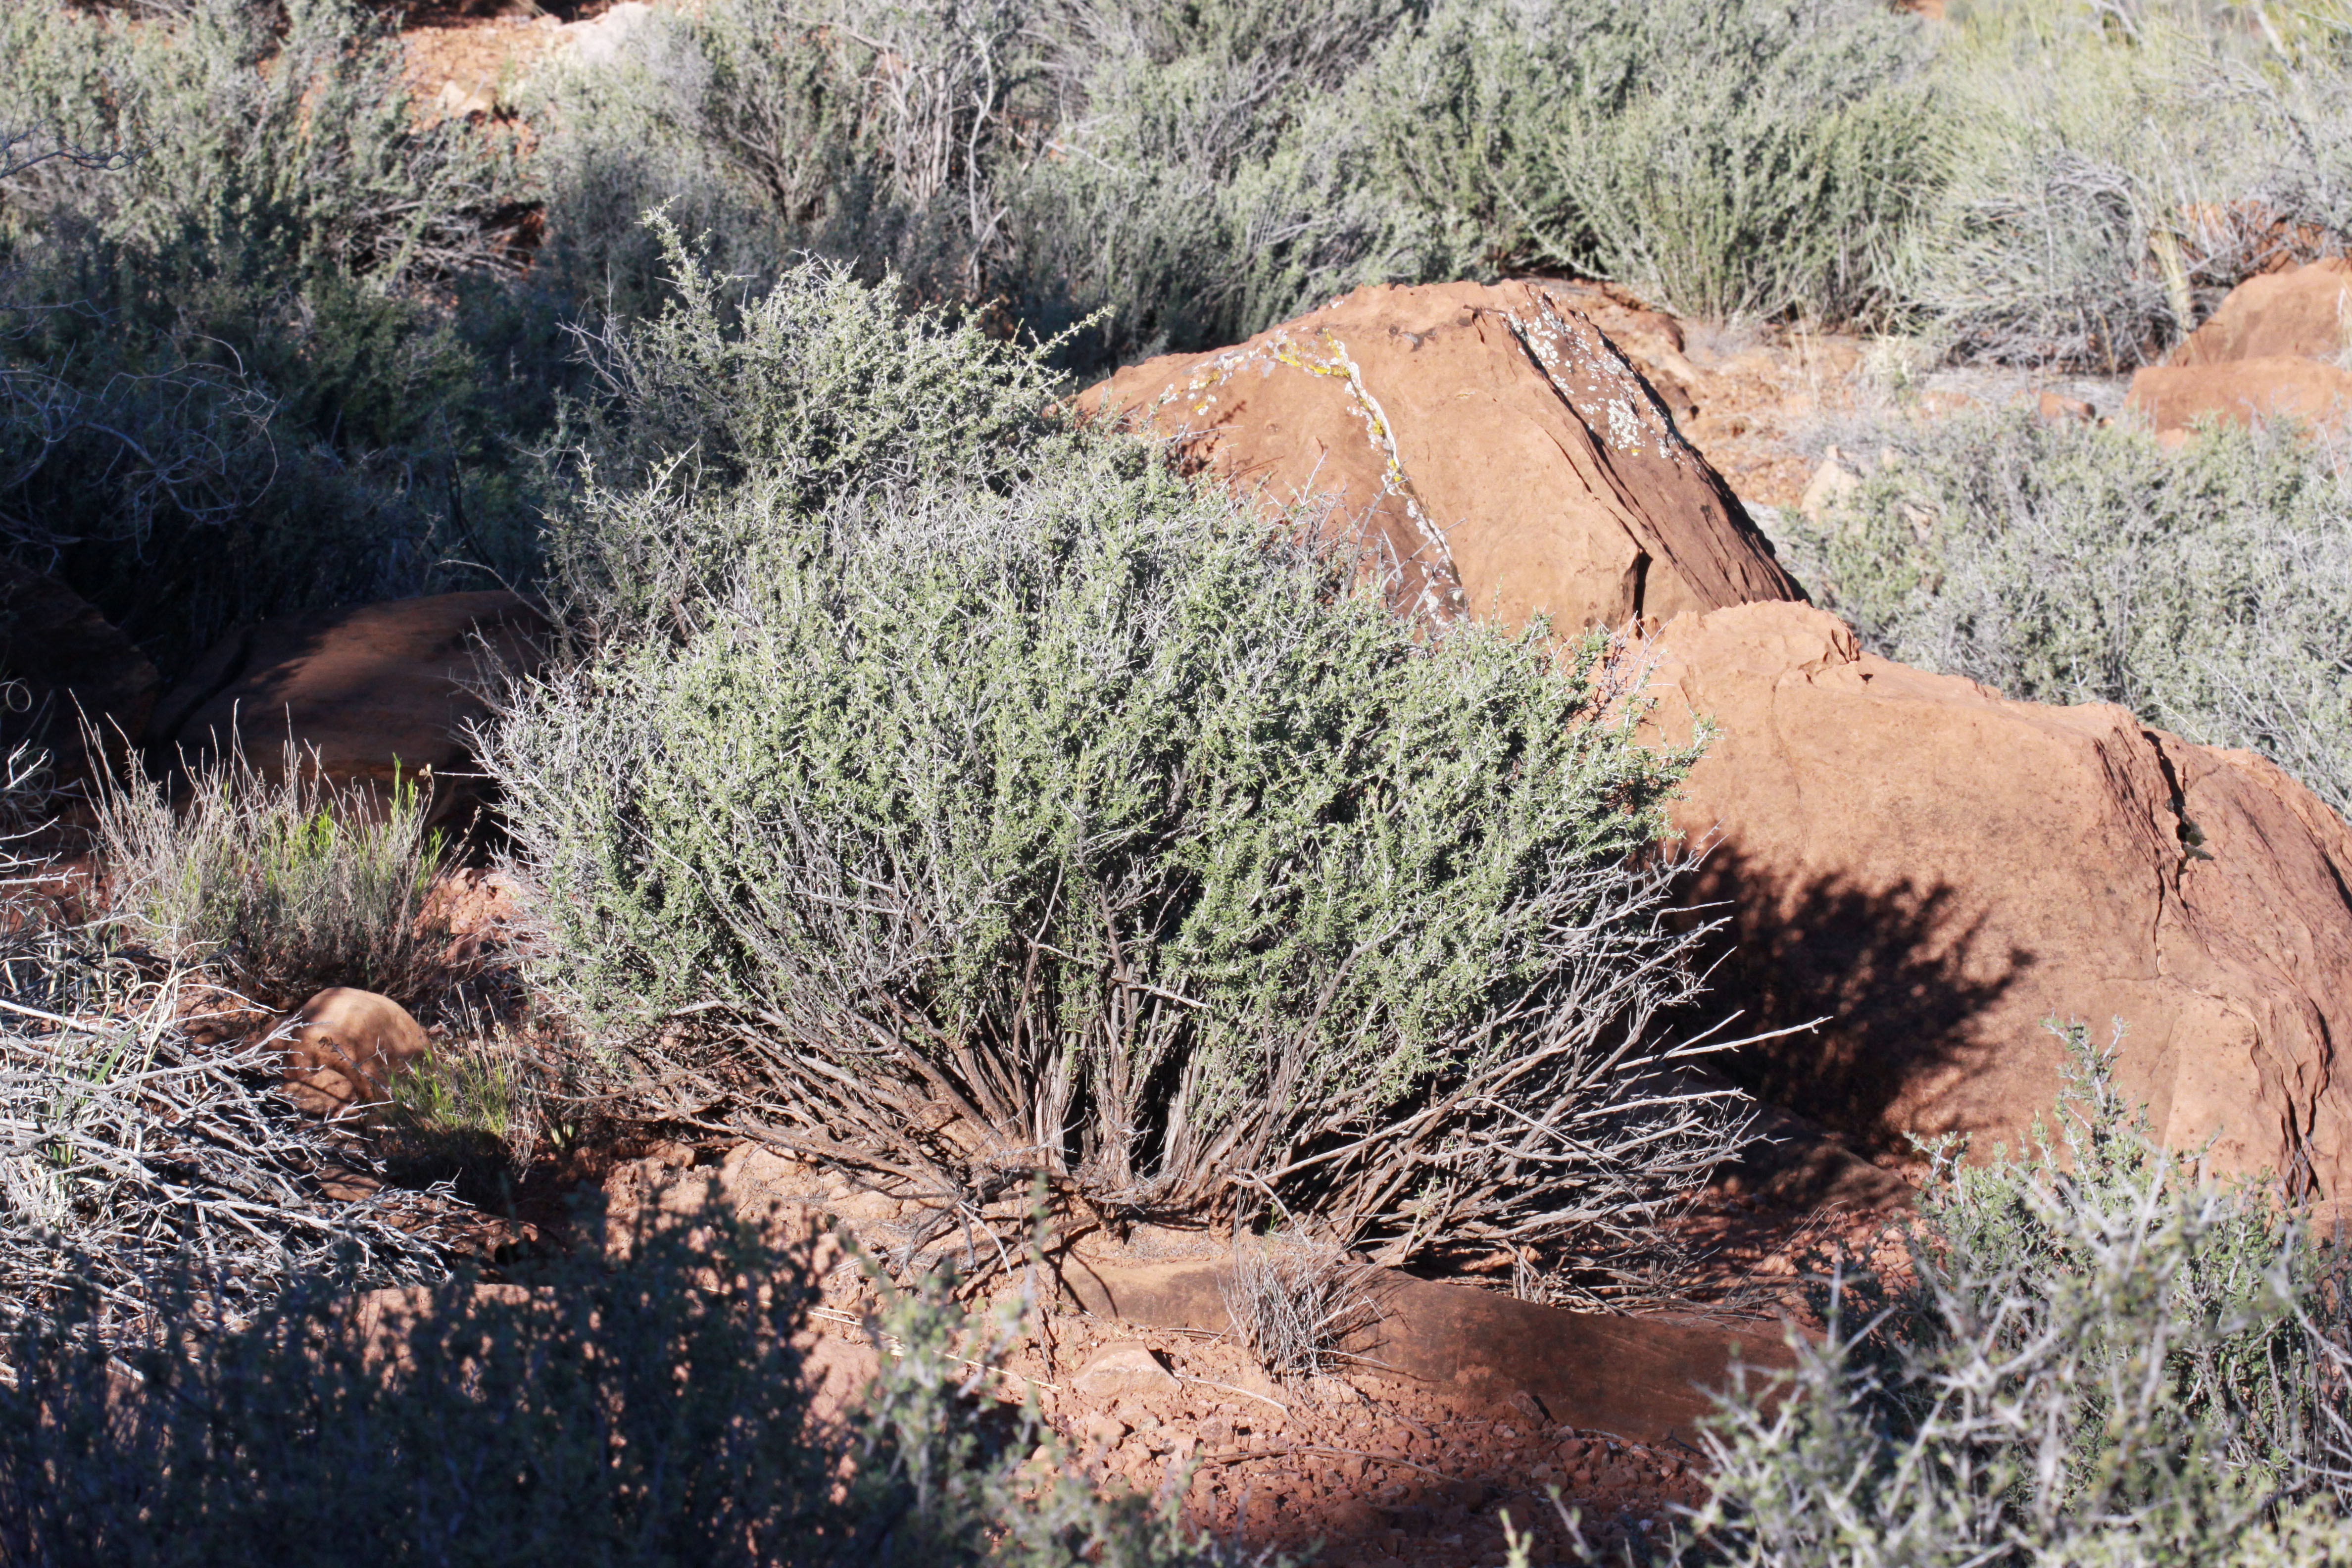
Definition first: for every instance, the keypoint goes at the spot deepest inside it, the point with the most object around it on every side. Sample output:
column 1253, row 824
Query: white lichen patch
column 1595, row 380
column 1440, row 594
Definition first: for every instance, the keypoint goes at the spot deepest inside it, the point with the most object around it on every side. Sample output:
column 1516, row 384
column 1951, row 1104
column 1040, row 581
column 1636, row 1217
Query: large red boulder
column 1492, row 441
column 2274, row 350
column 362, row 691
column 1939, row 870
column 2305, row 313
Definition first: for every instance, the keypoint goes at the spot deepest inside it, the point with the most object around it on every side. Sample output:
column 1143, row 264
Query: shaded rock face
column 1940, row 869
column 1492, row 441
column 369, row 688
column 73, row 666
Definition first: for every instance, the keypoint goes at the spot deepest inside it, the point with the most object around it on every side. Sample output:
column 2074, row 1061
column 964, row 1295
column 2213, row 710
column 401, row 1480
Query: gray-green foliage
column 1733, row 158
column 1171, row 174
column 2104, row 1360
column 241, row 351
column 2209, row 590
column 2105, row 173
column 1059, row 800
column 1207, row 174
column 1146, row 169
column 820, row 384
column 284, row 884
column 652, row 1413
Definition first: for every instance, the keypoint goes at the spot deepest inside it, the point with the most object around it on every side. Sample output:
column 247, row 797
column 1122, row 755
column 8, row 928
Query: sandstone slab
column 1644, row 1378
column 2241, row 392
column 360, row 693
column 1940, row 869
column 1492, row 441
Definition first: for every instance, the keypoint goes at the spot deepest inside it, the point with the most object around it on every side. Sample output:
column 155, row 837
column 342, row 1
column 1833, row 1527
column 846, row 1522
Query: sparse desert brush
column 2104, row 1359
column 2105, row 173
column 1295, row 1300
column 282, row 883
column 1162, row 177
column 1151, row 178
column 2209, row 590
column 1056, row 816
column 135, row 1152
column 472, row 1113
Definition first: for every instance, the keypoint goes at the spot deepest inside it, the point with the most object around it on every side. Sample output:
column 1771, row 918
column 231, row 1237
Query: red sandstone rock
column 1941, row 870
column 1122, row 1367
column 349, row 1047
column 365, row 689
column 2176, row 396
column 2304, row 314
column 1496, row 443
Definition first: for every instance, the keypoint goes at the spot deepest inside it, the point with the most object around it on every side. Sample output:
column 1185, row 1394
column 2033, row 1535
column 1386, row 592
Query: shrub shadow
column 1900, row 974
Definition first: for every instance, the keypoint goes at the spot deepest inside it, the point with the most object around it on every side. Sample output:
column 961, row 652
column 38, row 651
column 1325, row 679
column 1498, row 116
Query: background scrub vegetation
column 908, row 744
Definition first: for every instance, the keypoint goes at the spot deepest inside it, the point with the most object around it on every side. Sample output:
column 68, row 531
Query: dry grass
column 1296, row 1300
column 281, row 883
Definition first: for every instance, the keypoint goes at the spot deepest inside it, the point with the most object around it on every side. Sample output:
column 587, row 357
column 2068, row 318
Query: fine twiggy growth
column 1296, row 1300
column 134, row 1154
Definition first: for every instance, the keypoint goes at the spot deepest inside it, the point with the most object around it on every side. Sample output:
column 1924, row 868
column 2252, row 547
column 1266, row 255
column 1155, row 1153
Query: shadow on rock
column 1901, row 975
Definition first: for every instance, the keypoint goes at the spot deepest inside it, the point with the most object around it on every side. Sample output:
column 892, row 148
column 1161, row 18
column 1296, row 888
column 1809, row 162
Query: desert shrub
column 247, row 361
column 818, row 383
column 2108, row 172
column 2209, row 590
column 287, row 882
column 1168, row 175
column 1732, row 158
column 1041, row 812
column 819, row 386
column 651, row 1413
column 133, row 1152
column 1206, row 173
column 2103, row 1359
column 1162, row 176
column 1295, row 1300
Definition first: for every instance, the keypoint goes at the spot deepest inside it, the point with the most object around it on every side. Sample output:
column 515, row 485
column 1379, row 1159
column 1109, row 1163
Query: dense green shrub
column 246, row 360
column 1053, row 798
column 2209, row 590
column 2102, row 1359
column 648, row 1413
column 1732, row 158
